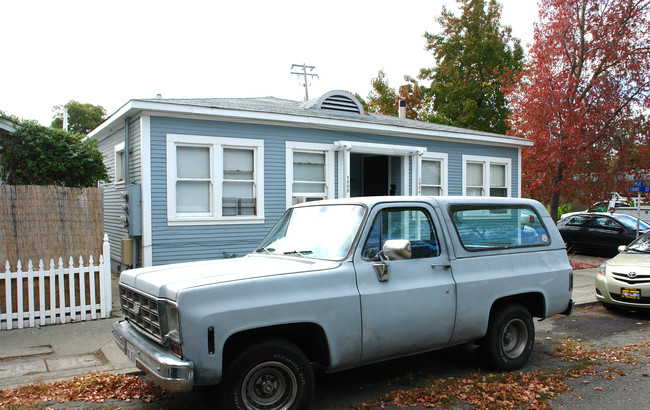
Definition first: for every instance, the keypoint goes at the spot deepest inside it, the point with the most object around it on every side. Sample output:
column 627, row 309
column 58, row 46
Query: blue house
column 197, row 179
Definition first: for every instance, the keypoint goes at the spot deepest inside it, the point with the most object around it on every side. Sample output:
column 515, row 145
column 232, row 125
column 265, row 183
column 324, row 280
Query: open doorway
column 374, row 175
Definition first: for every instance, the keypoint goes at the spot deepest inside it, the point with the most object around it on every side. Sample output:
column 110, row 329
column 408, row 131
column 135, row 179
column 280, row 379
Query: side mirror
column 394, row 249
column 621, row 248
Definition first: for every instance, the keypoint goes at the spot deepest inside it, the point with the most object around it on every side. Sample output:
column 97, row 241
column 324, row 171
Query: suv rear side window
column 411, row 224
column 483, row 228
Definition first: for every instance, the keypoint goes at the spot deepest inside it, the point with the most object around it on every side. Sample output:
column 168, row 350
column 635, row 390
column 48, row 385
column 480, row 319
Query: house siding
column 172, row 244
column 113, row 199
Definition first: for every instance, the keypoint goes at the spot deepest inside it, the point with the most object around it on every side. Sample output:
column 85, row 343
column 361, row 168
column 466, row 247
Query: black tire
column 510, row 338
column 269, row 375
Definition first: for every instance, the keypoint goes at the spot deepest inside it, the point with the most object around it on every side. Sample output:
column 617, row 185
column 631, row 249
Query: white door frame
column 345, row 148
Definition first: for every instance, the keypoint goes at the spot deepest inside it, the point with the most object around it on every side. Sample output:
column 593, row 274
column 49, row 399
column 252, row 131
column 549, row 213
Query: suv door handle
column 443, row 265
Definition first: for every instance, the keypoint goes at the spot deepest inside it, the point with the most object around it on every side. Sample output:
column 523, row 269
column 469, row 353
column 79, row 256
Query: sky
column 109, row 52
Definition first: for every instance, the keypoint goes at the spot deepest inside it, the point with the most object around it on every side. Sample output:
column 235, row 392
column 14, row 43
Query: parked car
column 624, row 281
column 605, row 205
column 599, row 233
column 347, row 282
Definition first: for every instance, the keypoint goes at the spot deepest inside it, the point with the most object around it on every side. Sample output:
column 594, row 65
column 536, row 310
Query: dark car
column 599, row 233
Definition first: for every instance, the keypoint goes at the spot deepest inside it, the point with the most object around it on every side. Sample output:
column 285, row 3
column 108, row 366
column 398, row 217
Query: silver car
column 624, row 281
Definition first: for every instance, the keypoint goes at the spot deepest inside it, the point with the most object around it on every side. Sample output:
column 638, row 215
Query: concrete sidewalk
column 60, row 352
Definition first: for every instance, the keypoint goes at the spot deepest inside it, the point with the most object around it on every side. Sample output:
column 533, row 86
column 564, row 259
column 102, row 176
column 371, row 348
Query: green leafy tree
column 38, row 155
column 475, row 57
column 82, row 118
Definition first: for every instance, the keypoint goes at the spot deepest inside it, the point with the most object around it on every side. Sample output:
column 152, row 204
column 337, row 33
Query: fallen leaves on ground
column 516, row 389
column 492, row 391
column 95, row 387
column 582, row 265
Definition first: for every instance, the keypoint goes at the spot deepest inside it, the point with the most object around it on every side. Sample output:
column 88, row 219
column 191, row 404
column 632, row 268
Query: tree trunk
column 555, row 196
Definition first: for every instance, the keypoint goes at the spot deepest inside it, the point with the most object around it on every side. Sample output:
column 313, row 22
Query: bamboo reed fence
column 49, row 222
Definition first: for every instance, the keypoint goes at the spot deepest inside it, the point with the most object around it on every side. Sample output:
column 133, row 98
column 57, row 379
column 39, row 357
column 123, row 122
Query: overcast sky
column 108, row 52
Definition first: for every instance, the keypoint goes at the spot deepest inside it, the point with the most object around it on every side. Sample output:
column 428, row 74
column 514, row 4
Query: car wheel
column 270, row 375
column 510, row 338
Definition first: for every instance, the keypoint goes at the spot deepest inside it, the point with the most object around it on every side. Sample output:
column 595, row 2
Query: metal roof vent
column 339, row 101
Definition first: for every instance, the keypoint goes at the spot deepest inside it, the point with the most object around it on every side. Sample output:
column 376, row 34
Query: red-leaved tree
column 584, row 99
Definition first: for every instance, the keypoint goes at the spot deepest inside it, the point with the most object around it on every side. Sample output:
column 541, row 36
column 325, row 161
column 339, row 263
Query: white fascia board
column 303, row 121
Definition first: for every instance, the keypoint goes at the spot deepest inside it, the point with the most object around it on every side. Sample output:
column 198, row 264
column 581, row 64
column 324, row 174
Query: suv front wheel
column 269, row 375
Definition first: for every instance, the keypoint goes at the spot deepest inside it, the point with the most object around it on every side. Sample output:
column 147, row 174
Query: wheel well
column 534, row 302
column 309, row 337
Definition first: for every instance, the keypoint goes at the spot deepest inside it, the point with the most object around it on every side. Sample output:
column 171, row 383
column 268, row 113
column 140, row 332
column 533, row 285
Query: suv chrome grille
column 141, row 311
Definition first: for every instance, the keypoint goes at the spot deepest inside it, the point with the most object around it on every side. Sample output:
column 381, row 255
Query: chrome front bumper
column 163, row 367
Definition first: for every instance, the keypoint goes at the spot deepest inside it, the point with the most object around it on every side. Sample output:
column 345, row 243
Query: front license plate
column 630, row 293
column 130, row 352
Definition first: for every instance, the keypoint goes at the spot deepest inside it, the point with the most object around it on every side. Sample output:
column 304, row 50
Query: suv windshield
column 319, row 231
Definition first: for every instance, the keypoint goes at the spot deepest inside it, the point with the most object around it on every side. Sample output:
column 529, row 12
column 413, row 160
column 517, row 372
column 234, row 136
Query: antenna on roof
column 304, row 73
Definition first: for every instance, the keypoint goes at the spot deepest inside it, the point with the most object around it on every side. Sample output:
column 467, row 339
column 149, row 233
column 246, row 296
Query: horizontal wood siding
column 113, row 199
column 187, row 243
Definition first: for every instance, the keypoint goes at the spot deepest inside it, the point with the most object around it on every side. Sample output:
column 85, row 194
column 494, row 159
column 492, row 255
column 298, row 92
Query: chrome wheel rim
column 514, row 338
column 269, row 385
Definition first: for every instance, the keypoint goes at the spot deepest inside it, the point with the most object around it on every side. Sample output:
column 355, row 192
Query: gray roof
column 302, row 108
column 333, row 109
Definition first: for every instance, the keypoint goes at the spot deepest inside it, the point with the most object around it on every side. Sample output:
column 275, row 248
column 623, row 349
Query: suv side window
column 493, row 227
column 415, row 225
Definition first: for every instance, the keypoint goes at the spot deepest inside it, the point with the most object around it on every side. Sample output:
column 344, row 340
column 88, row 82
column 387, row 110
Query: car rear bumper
column 166, row 370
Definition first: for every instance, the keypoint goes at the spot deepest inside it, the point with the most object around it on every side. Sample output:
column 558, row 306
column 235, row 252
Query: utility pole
column 304, row 73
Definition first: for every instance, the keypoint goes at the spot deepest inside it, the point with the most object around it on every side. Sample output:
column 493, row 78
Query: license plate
column 630, row 293
column 130, row 352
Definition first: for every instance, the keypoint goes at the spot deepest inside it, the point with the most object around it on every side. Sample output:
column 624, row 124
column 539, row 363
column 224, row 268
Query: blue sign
column 640, row 189
column 639, row 184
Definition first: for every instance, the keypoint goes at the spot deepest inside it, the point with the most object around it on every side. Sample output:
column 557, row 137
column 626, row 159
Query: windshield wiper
column 267, row 250
column 300, row 253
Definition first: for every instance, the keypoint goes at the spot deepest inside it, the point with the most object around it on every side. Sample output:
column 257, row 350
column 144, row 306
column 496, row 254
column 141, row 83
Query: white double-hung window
column 214, row 180
column 433, row 180
column 486, row 176
column 310, row 172
column 120, row 164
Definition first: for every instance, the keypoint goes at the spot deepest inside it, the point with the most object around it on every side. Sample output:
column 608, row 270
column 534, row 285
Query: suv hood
column 167, row 280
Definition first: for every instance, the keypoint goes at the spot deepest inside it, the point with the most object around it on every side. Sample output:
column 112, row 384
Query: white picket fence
column 60, row 295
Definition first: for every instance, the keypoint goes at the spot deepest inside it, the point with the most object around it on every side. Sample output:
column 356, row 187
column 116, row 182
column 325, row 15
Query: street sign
column 639, row 183
column 640, row 189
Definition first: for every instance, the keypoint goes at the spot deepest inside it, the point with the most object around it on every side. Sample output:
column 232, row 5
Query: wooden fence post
column 105, row 279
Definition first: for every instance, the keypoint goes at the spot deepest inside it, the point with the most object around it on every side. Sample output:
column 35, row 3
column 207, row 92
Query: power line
column 304, row 73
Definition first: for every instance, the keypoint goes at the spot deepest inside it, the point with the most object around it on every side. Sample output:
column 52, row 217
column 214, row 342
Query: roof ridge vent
column 339, row 101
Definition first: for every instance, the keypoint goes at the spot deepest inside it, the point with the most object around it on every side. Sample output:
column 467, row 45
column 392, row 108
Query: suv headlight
column 173, row 328
column 603, row 269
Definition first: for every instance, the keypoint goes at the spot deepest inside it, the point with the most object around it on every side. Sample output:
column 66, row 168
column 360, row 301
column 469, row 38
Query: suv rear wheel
column 510, row 338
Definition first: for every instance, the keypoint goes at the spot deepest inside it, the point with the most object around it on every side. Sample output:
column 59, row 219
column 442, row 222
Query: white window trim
column 119, row 148
column 327, row 149
column 487, row 161
column 216, row 145
column 443, row 157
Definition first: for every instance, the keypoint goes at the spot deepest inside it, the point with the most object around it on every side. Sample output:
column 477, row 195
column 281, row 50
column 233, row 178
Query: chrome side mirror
column 394, row 249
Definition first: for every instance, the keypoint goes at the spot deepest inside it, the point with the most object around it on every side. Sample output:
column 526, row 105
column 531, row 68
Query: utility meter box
column 134, row 199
